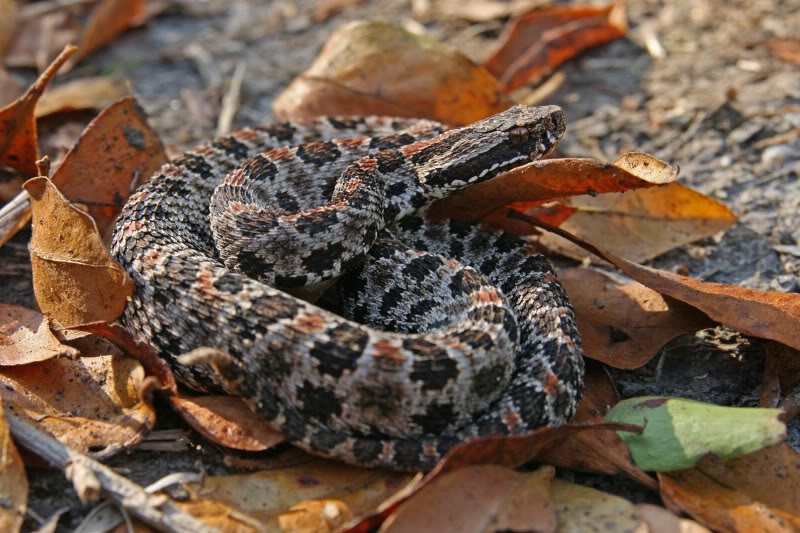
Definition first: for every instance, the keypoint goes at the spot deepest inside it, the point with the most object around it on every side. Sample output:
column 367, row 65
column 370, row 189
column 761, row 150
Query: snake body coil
column 450, row 330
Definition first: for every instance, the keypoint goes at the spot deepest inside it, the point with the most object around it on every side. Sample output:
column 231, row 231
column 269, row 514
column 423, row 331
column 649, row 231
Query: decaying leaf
column 483, row 498
column 266, row 498
column 786, row 49
column 543, row 181
column 642, row 224
column 371, row 68
column 108, row 19
column 90, row 403
column 116, row 152
column 25, row 337
column 18, row 148
column 580, row 508
column 720, row 507
column 74, row 279
column 542, row 39
column 83, row 93
column 228, row 421
column 678, row 432
column 13, row 481
column 766, row 314
column 624, row 325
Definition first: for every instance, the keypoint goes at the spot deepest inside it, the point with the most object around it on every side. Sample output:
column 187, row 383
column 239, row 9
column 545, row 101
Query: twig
column 230, row 102
column 153, row 509
column 14, row 216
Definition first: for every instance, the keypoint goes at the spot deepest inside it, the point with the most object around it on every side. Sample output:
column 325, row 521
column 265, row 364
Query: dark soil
column 716, row 93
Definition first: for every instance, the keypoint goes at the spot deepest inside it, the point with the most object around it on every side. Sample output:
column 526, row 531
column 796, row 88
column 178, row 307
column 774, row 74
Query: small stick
column 153, row 509
column 230, row 102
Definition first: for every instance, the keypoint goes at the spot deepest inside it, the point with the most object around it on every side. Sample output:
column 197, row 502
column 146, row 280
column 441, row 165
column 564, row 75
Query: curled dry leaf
column 580, row 508
column 372, row 68
column 482, row 498
column 25, row 337
column 720, row 507
column 542, row 39
column 265, row 498
column 74, row 279
column 18, row 148
column 765, row 314
column 624, row 325
column 13, row 481
column 543, row 181
column 90, row 404
column 642, row 224
column 228, row 421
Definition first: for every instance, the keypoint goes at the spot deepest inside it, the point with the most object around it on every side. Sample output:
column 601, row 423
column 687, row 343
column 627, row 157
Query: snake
column 429, row 333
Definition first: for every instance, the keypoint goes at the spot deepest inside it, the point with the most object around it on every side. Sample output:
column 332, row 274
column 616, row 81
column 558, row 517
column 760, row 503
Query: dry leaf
column 116, row 152
column 108, row 19
column 371, row 68
column 228, row 421
column 83, row 93
column 765, row 314
column 720, row 507
column 542, row 39
column 484, row 498
column 659, row 520
column 25, row 337
column 90, row 404
column 13, row 481
column 265, row 498
column 625, row 325
column 770, row 475
column 642, row 224
column 485, row 10
column 9, row 90
column 327, row 8
column 580, row 508
column 8, row 23
column 18, row 149
column 74, row 279
column 781, row 375
column 543, row 181
column 40, row 38
column 786, row 49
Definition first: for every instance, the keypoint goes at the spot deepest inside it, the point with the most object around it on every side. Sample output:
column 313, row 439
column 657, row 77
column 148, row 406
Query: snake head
column 480, row 151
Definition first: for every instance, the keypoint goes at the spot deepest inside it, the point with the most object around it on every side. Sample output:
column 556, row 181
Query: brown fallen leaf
column 551, row 179
column 482, row 498
column 83, row 93
column 40, row 38
column 228, row 421
column 74, row 279
column 624, row 325
column 765, row 314
column 9, row 90
column 116, row 152
column 18, row 149
column 266, row 498
column 785, row 49
column 720, row 507
column 781, row 374
column 327, row 8
column 770, row 475
column 25, row 337
column 505, row 451
column 13, row 481
column 542, row 39
column 372, row 68
column 108, row 19
column 8, row 23
column 90, row 403
column 580, row 508
column 485, row 10
column 641, row 224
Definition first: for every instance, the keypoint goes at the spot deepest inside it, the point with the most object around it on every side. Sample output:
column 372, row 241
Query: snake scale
column 442, row 331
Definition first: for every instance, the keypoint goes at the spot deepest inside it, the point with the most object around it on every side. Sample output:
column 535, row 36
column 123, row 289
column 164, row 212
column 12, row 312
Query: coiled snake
column 447, row 330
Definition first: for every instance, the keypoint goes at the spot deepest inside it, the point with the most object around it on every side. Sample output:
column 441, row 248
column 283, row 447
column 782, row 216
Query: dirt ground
column 715, row 93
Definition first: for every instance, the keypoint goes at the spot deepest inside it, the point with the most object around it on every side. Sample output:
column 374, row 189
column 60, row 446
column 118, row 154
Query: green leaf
column 677, row 432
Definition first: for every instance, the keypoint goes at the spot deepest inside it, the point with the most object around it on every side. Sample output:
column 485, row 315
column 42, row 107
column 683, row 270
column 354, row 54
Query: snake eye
column 518, row 135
